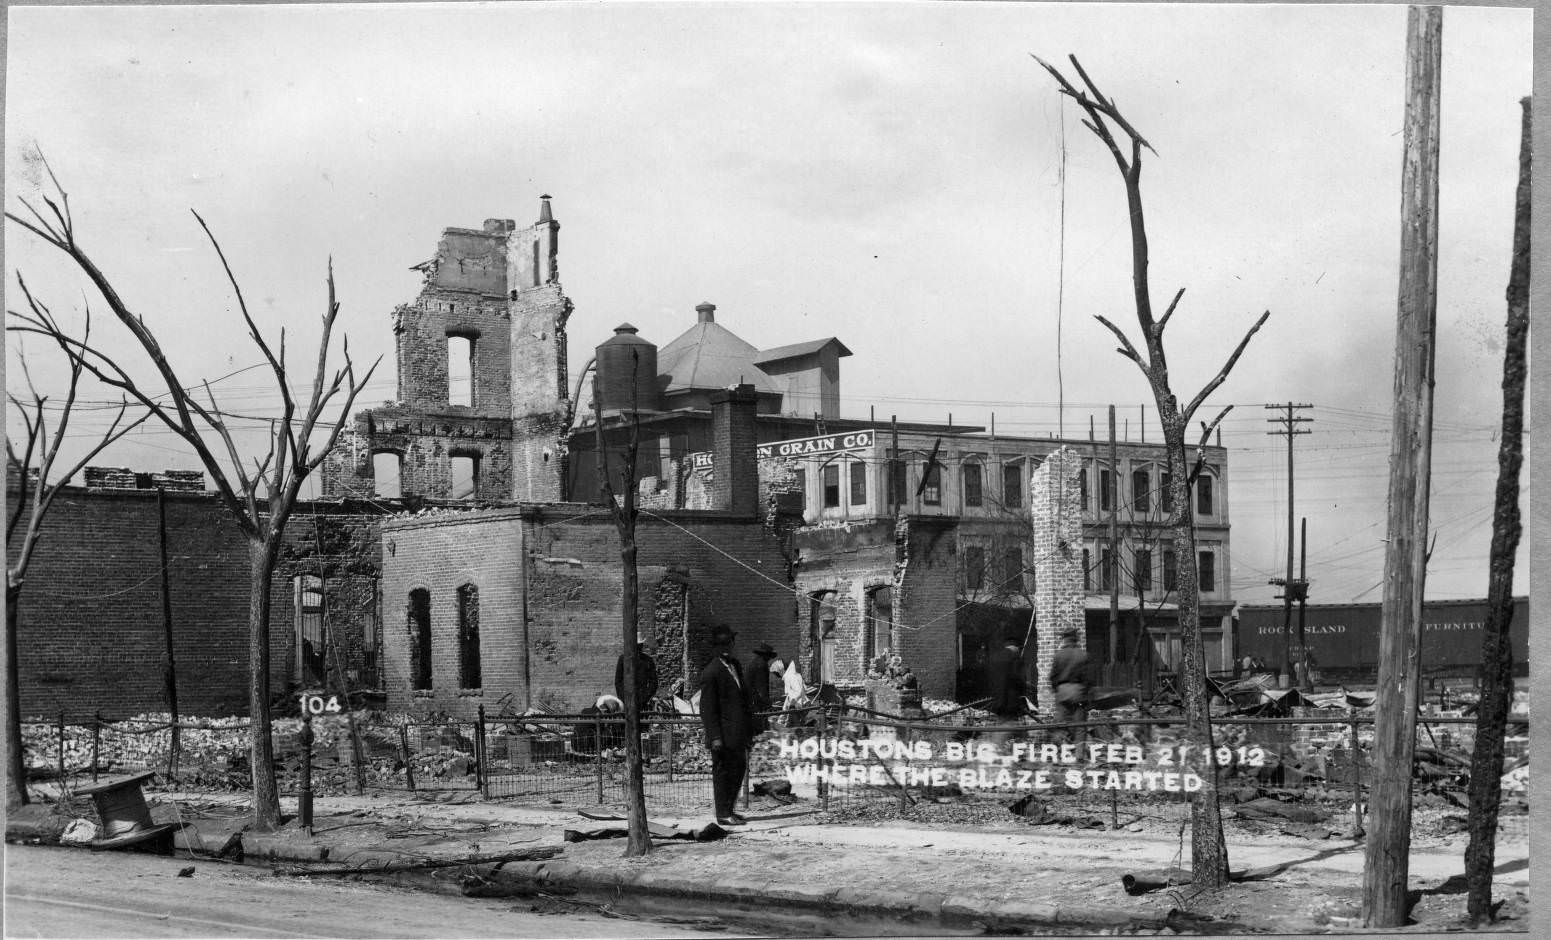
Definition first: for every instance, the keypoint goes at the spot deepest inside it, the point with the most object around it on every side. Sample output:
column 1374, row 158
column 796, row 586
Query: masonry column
column 735, row 463
column 1055, row 505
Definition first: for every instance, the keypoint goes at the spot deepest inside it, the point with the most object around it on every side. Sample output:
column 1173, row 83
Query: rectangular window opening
column 1206, row 576
column 460, row 370
column 931, row 487
column 974, row 568
column 1012, row 486
column 858, row 483
column 468, row 638
column 831, row 486
column 973, row 495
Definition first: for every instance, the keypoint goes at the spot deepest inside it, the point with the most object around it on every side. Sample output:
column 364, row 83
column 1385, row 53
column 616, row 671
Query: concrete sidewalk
column 789, row 870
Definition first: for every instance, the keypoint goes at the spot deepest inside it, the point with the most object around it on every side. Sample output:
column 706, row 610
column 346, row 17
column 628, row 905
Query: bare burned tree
column 37, row 484
column 639, row 840
column 260, row 497
column 1209, row 852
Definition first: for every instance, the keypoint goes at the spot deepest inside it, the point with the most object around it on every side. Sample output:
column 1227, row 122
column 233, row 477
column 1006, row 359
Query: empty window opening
column 831, row 486
column 1170, row 570
column 973, row 488
column 1082, row 487
column 1106, row 569
column 312, row 640
column 419, row 639
column 821, row 637
column 465, row 476
column 1204, row 495
column 468, row 637
column 1012, row 486
column 1087, row 570
column 878, row 637
column 387, row 475
column 858, row 483
column 460, row 370
column 800, row 486
column 1106, row 490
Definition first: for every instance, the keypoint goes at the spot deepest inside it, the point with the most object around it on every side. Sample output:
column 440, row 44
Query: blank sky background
column 886, row 173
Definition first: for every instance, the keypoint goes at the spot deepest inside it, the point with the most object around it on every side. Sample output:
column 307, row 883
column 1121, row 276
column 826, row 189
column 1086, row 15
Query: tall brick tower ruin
column 493, row 294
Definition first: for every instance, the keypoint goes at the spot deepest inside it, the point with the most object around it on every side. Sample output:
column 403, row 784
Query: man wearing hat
column 645, row 679
column 1069, row 679
column 759, row 684
column 726, row 712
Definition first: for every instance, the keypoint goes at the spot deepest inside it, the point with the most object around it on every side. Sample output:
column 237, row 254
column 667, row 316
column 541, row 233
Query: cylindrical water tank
column 626, row 372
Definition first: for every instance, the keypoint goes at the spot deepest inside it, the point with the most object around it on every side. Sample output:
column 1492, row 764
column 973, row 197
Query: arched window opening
column 821, row 636
column 420, row 639
column 468, row 637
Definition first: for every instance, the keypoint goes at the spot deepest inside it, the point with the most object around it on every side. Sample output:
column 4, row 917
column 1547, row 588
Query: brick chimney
column 735, row 464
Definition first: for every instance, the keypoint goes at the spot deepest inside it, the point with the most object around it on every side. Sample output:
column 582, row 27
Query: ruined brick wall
column 439, row 551
column 735, row 480
column 842, row 564
column 925, row 602
column 499, row 288
column 90, row 630
column 1055, row 503
column 563, row 565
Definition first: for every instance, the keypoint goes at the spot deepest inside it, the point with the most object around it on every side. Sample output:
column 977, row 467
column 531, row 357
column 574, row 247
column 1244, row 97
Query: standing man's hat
column 721, row 633
column 765, row 649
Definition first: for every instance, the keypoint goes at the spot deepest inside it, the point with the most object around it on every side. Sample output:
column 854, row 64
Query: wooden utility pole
column 1303, row 604
column 1112, row 493
column 1486, row 765
column 1289, row 430
column 1387, row 864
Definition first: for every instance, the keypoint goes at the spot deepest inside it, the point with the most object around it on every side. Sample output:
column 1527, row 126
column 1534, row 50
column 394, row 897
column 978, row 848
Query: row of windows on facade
column 1015, row 578
column 974, row 487
column 420, row 646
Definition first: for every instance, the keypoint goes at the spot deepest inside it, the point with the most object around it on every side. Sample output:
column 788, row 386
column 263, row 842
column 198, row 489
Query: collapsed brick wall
column 839, row 566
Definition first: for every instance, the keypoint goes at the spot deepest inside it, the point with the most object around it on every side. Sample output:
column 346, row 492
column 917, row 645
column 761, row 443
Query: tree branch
column 1157, row 329
column 1126, row 349
column 1206, row 437
column 1222, row 374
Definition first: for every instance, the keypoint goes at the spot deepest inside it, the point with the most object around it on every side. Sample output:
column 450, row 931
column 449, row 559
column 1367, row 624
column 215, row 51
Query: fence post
column 904, row 777
column 480, row 779
column 823, row 781
column 304, row 797
column 1357, row 781
column 61, row 748
column 96, row 743
column 669, row 725
column 409, row 764
column 598, row 761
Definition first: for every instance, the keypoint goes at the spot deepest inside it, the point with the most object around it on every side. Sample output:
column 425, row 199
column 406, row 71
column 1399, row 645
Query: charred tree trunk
column 15, row 761
column 1486, row 764
column 266, row 796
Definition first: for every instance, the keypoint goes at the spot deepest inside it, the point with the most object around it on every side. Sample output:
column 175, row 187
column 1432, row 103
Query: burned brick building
column 836, row 539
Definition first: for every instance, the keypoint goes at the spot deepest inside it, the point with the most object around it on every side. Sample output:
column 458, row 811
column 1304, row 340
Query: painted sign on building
column 799, row 447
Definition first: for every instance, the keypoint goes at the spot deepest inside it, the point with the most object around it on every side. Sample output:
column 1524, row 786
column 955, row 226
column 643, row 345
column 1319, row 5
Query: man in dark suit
column 728, row 716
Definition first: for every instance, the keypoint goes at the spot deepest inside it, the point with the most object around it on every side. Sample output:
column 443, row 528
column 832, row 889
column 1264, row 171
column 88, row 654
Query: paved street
column 55, row 892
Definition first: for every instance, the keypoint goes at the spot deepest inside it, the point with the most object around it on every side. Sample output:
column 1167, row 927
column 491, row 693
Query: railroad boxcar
column 1344, row 638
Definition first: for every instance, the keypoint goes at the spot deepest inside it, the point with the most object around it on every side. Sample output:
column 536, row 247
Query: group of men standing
column 1068, row 679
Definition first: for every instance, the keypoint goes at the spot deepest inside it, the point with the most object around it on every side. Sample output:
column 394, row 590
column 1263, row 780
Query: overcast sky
column 890, row 174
